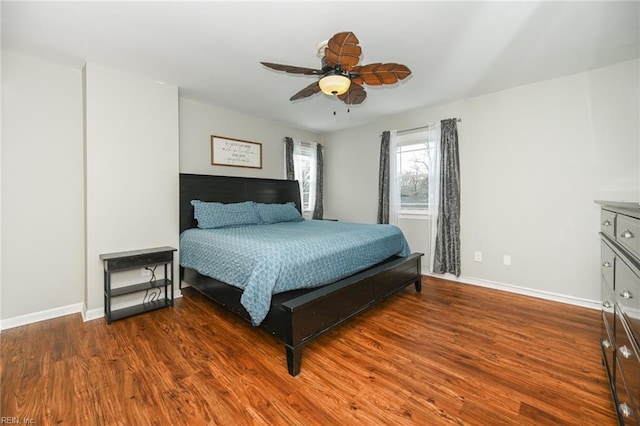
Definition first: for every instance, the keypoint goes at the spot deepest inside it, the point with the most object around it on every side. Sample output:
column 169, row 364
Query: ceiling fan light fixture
column 334, row 84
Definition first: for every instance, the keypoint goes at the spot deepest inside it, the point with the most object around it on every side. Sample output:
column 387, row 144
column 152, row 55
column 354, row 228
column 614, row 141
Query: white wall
column 530, row 170
column 613, row 95
column 131, row 146
column 132, row 163
column 42, row 195
column 199, row 121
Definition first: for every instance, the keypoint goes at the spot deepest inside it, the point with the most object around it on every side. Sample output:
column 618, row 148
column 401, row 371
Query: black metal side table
column 138, row 259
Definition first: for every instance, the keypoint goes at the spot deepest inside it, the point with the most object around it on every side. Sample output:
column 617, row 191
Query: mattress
column 267, row 259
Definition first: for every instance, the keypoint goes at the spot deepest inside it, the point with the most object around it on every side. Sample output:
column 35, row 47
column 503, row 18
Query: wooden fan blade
column 311, row 89
column 379, row 74
column 343, row 49
column 354, row 96
column 292, row 69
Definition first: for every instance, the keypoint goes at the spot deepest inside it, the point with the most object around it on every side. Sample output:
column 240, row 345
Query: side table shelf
column 138, row 259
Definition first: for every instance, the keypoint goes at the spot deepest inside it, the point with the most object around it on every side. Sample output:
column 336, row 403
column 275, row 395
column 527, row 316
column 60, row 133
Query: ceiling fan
column 341, row 75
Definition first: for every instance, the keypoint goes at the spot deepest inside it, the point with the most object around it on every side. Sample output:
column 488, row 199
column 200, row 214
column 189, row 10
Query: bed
column 298, row 316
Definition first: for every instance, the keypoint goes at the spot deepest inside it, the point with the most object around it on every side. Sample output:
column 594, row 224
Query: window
column 304, row 158
column 305, row 164
column 414, row 164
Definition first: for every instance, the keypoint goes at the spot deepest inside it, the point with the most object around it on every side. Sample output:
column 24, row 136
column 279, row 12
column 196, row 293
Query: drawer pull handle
column 624, row 409
column 626, row 234
column 606, row 223
column 606, row 344
column 606, row 304
column 626, row 294
column 625, row 352
column 606, row 264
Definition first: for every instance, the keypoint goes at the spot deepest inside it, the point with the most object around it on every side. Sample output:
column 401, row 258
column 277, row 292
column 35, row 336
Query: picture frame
column 235, row 152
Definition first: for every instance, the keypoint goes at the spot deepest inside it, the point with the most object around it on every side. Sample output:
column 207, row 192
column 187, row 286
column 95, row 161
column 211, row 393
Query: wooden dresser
column 620, row 278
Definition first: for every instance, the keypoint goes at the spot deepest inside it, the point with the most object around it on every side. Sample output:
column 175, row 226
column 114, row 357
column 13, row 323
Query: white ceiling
column 212, row 50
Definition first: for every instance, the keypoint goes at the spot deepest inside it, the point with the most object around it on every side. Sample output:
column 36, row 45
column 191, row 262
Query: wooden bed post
column 294, row 358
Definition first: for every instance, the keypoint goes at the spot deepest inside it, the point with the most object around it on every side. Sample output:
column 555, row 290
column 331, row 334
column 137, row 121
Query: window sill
column 414, row 216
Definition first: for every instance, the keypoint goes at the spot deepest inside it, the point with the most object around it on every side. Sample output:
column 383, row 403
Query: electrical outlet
column 477, row 256
column 507, row 260
column 144, row 272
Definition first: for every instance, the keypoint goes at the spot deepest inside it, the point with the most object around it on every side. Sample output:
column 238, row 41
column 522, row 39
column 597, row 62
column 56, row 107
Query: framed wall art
column 235, row 152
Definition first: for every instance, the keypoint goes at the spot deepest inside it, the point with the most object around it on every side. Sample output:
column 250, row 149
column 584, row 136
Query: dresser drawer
column 627, row 294
column 607, row 263
column 607, row 343
column 608, row 223
column 627, row 369
column 625, row 407
column 628, row 233
column 608, row 306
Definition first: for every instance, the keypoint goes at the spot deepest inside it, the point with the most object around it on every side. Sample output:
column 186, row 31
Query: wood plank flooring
column 453, row 355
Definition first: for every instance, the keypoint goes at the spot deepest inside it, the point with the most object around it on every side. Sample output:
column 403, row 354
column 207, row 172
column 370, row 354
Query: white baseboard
column 96, row 313
column 540, row 294
column 87, row 314
column 40, row 316
column 92, row 314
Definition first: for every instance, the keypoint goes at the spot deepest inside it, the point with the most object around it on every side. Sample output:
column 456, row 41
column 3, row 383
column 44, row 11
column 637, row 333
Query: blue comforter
column 269, row 259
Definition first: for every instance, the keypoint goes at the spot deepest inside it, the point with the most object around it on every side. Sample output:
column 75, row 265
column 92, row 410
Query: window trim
column 412, row 138
column 305, row 149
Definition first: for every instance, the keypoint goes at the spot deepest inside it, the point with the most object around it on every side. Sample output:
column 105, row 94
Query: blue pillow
column 274, row 213
column 219, row 215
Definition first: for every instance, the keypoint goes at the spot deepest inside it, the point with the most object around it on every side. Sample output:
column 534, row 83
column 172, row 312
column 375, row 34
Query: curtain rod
column 305, row 143
column 458, row 120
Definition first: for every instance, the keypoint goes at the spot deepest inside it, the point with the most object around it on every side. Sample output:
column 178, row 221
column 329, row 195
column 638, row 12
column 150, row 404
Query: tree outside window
column 303, row 164
column 414, row 163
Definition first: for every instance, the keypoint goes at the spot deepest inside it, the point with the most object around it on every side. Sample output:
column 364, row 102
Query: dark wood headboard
column 231, row 189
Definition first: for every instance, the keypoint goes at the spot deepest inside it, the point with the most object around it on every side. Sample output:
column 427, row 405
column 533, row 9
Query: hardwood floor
column 454, row 354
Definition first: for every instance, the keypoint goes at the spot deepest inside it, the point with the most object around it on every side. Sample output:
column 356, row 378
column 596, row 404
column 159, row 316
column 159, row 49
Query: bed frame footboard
column 317, row 312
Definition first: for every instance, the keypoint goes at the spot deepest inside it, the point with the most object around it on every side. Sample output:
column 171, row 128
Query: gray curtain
column 447, row 249
column 318, row 209
column 288, row 146
column 383, row 179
